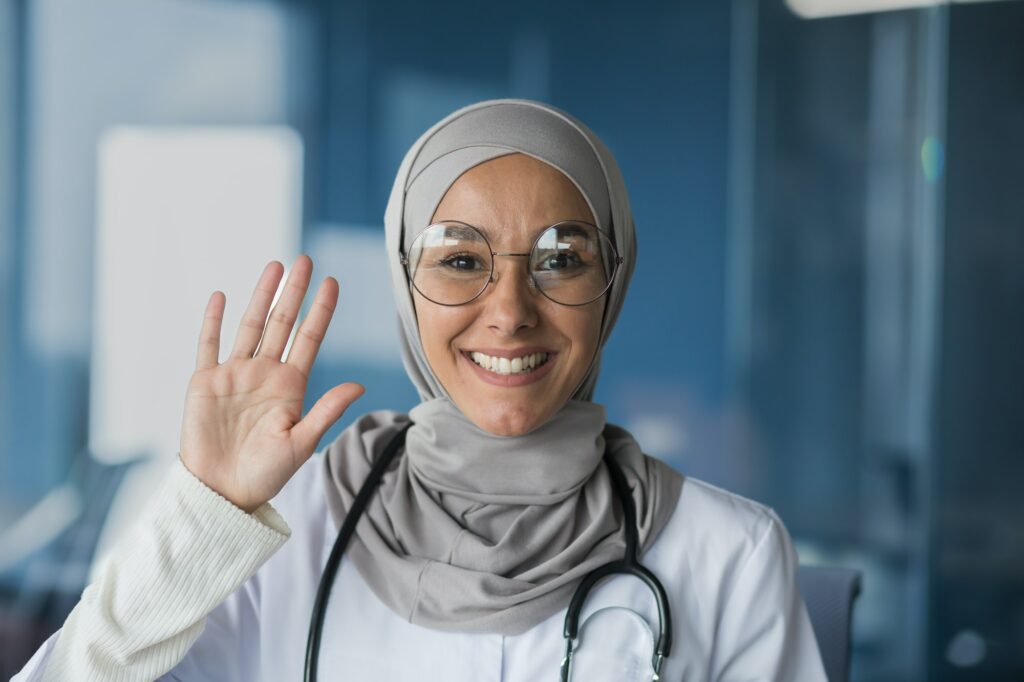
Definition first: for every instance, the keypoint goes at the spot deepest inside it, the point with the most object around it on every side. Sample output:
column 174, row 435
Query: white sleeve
column 228, row 648
column 764, row 632
column 189, row 550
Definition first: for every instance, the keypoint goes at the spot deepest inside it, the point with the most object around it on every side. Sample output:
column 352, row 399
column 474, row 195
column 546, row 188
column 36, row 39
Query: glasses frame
column 616, row 262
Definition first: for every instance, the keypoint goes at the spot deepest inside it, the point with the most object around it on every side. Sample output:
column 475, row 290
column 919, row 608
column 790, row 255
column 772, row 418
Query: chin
column 507, row 420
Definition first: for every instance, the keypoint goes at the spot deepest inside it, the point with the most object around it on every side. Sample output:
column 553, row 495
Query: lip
column 511, row 380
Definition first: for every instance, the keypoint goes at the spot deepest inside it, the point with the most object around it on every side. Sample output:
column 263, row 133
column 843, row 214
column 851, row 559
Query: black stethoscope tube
column 630, row 564
column 348, row 527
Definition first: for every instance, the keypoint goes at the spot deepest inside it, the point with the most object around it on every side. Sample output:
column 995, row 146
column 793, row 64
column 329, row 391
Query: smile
column 510, row 369
column 507, row 366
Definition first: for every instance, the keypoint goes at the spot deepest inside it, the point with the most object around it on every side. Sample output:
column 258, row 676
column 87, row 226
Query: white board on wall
column 181, row 212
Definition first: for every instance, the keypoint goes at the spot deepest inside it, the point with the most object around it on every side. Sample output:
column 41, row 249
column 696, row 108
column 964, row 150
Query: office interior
column 827, row 314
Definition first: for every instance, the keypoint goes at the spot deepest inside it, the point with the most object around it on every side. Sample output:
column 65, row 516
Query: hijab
column 470, row 531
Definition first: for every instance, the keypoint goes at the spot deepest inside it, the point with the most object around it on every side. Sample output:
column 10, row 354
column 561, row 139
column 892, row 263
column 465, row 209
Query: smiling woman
column 502, row 528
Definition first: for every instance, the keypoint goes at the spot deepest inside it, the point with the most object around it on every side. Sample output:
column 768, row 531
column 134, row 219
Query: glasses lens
column 450, row 263
column 573, row 263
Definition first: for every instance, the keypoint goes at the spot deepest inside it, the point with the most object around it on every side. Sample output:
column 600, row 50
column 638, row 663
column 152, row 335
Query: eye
column 462, row 262
column 559, row 261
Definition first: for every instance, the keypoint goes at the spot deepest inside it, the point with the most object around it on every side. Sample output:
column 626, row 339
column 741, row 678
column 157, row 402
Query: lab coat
column 726, row 562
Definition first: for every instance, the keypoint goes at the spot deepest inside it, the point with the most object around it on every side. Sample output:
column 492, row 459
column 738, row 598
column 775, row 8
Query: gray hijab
column 469, row 531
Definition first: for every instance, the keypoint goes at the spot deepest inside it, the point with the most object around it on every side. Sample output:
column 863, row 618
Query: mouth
column 505, row 366
column 510, row 368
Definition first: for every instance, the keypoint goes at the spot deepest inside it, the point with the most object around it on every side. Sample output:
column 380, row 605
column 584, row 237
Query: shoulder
column 705, row 516
column 720, row 517
column 740, row 570
column 716, row 535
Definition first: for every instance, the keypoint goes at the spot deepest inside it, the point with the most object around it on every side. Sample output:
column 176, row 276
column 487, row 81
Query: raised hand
column 243, row 433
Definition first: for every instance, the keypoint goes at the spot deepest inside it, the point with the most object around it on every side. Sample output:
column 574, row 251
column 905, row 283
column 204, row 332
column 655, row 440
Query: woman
column 511, row 244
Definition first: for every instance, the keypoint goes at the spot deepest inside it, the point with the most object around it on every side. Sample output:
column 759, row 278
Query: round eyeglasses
column 570, row 262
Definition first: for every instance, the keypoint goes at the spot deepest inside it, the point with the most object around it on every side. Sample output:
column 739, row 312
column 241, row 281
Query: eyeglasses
column 570, row 262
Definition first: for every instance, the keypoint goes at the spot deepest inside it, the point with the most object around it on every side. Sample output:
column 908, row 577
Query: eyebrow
column 462, row 232
column 569, row 230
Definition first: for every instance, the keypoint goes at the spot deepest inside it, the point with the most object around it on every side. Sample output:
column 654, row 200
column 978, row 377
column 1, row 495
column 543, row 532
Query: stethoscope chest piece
column 610, row 650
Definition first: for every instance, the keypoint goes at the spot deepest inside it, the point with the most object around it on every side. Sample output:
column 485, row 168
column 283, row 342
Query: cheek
column 438, row 325
column 585, row 329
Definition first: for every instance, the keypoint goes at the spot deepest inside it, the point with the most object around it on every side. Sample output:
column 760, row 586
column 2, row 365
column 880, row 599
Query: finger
column 285, row 312
column 250, row 329
column 308, row 432
column 209, row 336
column 313, row 329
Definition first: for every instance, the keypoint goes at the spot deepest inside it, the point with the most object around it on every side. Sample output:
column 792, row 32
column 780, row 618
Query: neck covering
column 470, row 531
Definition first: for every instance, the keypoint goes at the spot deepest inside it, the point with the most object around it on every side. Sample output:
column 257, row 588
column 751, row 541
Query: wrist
column 246, row 506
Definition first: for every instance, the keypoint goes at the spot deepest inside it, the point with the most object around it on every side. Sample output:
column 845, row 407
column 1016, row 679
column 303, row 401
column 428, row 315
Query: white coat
column 727, row 563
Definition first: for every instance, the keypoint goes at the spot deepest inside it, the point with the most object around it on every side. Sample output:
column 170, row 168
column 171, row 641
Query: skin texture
column 511, row 199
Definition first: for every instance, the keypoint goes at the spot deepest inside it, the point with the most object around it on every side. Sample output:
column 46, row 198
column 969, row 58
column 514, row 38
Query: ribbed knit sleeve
column 187, row 552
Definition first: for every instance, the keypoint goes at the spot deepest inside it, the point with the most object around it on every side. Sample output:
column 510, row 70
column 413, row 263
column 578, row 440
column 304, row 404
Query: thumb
column 308, row 432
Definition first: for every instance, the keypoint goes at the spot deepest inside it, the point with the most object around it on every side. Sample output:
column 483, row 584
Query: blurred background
column 827, row 316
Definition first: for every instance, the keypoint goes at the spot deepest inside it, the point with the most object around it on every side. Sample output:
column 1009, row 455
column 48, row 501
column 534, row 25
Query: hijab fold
column 469, row 531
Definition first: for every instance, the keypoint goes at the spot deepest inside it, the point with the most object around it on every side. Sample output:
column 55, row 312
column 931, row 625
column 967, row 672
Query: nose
column 510, row 305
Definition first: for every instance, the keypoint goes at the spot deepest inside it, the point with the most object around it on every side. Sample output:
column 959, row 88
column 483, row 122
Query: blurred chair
column 829, row 593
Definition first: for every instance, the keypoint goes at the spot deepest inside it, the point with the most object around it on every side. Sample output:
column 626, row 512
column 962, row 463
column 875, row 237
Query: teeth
column 507, row 366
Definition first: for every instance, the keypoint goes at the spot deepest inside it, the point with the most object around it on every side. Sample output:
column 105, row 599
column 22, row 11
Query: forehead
column 513, row 197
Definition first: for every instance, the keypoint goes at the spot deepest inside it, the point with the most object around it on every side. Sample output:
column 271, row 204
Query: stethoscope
column 630, row 564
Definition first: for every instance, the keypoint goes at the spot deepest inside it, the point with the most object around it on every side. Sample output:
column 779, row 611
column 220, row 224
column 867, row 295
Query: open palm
column 243, row 433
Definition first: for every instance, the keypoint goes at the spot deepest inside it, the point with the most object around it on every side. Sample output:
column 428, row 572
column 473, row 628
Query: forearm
column 190, row 550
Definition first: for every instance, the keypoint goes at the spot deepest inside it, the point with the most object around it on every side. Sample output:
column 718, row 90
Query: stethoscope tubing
column 348, row 526
column 629, row 565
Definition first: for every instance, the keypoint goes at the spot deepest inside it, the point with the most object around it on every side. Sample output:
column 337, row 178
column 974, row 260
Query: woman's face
column 511, row 199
